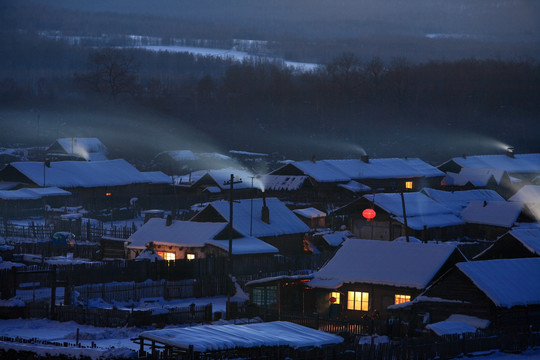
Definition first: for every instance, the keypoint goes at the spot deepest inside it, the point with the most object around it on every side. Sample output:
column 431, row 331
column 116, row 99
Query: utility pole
column 231, row 183
column 404, row 216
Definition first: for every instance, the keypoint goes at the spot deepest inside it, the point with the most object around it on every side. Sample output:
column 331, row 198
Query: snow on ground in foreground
column 533, row 354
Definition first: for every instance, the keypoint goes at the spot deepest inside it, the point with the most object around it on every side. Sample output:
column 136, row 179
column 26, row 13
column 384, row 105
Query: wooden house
column 520, row 242
column 174, row 240
column 26, row 202
column 387, row 174
column 93, row 184
column 267, row 219
column 504, row 291
column 529, row 195
column 275, row 295
column 295, row 188
column 460, row 199
column 415, row 215
column 367, row 276
column 209, row 185
column 491, row 219
column 503, row 172
column 88, row 149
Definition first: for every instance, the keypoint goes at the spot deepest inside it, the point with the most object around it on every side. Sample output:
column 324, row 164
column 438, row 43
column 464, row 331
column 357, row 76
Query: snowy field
column 228, row 54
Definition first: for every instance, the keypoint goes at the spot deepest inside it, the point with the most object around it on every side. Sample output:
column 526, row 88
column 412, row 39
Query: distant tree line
column 346, row 97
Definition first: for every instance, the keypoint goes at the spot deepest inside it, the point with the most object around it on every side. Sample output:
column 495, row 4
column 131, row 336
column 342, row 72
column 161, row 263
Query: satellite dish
column 133, row 200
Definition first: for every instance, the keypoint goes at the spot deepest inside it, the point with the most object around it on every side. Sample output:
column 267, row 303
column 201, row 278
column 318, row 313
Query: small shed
column 258, row 340
column 312, row 217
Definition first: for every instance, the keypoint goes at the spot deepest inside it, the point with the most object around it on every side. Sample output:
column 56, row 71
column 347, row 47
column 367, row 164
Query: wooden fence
column 127, row 317
column 445, row 347
column 44, row 232
column 152, row 289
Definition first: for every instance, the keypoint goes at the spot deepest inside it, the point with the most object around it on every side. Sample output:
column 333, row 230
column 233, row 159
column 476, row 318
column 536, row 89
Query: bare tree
column 111, row 73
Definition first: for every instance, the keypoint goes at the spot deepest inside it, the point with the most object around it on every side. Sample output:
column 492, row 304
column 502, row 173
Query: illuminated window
column 357, row 300
column 408, row 185
column 167, row 255
column 399, row 299
column 265, row 296
column 335, row 295
column 190, row 256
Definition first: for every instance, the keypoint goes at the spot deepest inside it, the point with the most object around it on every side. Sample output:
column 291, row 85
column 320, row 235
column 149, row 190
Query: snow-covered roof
column 458, row 200
column 355, row 187
column 245, row 246
column 497, row 213
column 32, row 193
column 309, row 213
column 282, row 220
column 179, row 233
column 411, row 239
column 520, row 163
column 390, row 263
column 527, row 194
column 283, row 182
column 529, row 237
column 207, row 338
column 157, row 177
column 86, row 174
column 150, row 255
column 458, row 324
column 421, row 210
column 477, row 177
column 222, row 177
column 91, row 149
column 507, row 282
column 357, row 169
column 335, row 239
column 194, row 234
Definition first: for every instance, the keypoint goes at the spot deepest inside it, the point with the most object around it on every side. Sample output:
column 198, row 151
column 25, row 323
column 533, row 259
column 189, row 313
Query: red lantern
column 369, row 214
column 333, row 299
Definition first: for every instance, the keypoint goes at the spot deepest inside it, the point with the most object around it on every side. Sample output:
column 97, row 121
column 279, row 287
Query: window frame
column 360, row 298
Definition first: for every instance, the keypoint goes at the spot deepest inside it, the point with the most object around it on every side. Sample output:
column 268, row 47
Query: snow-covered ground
column 228, row 54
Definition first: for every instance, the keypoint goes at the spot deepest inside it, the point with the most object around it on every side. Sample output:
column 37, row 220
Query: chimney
column 168, row 220
column 510, row 152
column 265, row 212
column 313, row 159
column 365, row 158
column 485, row 203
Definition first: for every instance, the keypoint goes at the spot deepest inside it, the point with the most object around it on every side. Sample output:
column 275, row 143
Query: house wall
column 380, row 297
column 481, row 231
column 292, row 244
column 456, row 286
column 507, row 247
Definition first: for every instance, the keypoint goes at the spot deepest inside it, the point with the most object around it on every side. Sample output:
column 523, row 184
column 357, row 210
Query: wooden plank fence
column 150, row 289
column 445, row 347
column 128, row 317
column 44, row 232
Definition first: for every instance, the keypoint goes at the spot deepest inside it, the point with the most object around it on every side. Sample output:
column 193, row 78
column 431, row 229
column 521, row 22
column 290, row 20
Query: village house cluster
column 392, row 246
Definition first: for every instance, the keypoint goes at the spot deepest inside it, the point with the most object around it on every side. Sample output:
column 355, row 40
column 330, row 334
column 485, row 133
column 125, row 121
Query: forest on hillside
column 390, row 106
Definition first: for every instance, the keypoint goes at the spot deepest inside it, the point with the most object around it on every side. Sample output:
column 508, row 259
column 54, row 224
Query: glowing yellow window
column 408, row 185
column 357, row 300
column 190, row 256
column 167, row 255
column 399, row 299
column 335, row 296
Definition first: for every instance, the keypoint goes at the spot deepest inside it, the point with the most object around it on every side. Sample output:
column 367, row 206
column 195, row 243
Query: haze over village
column 269, row 180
